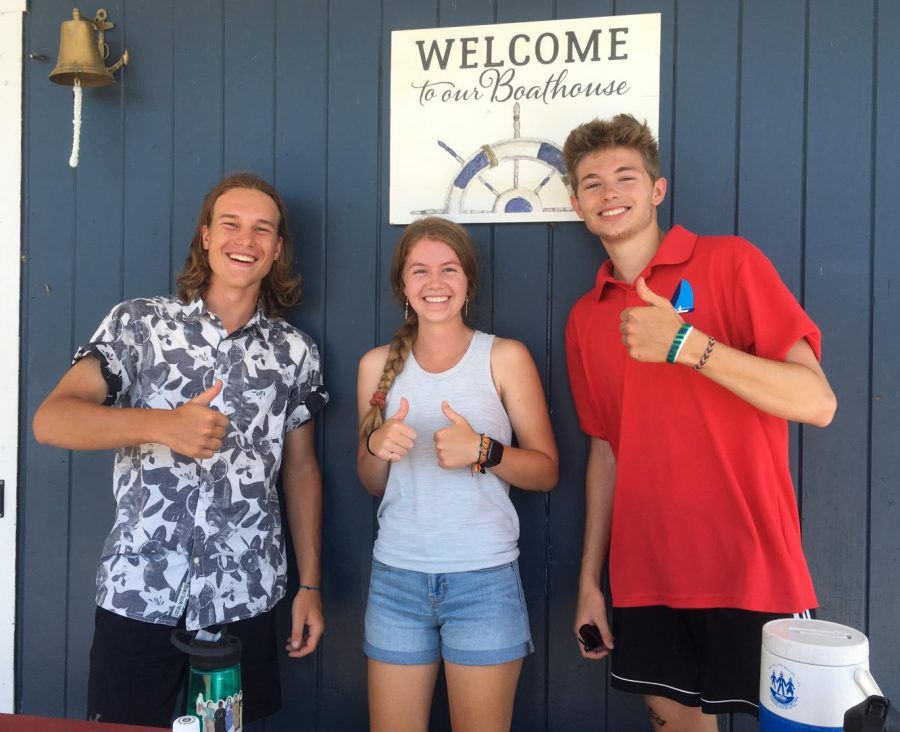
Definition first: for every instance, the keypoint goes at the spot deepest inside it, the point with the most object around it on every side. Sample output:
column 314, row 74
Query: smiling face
column 241, row 240
column 434, row 281
column 616, row 196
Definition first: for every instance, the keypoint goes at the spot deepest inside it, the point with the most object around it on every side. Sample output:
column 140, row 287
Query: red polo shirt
column 704, row 513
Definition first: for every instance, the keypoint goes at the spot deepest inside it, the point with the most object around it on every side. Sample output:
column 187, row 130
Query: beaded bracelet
column 710, row 344
column 678, row 342
column 478, row 466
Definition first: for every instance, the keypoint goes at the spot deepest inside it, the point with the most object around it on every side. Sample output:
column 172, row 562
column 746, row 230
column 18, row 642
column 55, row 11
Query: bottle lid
column 214, row 655
column 816, row 642
column 187, row 723
column 209, row 655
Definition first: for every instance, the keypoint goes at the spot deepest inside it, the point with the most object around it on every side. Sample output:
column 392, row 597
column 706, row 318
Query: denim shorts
column 469, row 618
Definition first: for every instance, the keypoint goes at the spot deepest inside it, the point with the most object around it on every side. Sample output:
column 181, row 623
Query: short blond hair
column 623, row 130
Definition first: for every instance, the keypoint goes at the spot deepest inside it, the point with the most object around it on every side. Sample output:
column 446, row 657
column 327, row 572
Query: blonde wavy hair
column 281, row 288
column 460, row 241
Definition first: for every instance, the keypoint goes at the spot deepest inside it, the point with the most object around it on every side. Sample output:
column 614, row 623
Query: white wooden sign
column 479, row 114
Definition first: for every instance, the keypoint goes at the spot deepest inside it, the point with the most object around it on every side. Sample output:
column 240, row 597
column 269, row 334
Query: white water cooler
column 811, row 672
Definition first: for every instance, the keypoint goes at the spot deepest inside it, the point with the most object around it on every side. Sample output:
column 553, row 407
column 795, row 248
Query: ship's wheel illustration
column 516, row 175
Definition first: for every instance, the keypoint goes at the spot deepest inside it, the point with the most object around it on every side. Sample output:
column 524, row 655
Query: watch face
column 494, row 454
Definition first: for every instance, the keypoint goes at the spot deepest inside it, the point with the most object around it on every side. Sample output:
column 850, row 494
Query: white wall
column 11, row 14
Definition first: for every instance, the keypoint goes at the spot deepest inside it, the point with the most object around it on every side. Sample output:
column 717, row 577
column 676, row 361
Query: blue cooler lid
column 815, row 642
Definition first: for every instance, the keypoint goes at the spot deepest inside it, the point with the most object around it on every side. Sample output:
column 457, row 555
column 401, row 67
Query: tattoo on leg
column 655, row 718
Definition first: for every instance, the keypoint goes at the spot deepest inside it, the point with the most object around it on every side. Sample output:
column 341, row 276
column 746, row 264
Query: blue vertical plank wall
column 47, row 292
column 777, row 121
column 353, row 219
column 148, row 152
column 838, row 292
column 884, row 501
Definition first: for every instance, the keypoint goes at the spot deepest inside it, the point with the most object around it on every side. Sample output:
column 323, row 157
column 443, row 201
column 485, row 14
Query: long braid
column 401, row 345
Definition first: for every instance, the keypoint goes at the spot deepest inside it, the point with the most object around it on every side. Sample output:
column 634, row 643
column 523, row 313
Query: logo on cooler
column 782, row 686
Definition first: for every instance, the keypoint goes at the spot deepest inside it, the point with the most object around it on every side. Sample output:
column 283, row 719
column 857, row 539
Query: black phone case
column 590, row 636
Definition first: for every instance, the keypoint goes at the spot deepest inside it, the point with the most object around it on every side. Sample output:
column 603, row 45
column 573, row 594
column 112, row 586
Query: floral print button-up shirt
column 201, row 536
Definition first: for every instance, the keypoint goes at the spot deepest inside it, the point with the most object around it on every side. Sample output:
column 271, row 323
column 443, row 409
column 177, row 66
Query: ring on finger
column 391, row 456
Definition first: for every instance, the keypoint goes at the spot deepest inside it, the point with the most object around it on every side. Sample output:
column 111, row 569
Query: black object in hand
column 590, row 637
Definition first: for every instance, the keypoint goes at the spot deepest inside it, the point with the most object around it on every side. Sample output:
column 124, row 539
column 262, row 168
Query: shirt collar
column 258, row 325
column 675, row 248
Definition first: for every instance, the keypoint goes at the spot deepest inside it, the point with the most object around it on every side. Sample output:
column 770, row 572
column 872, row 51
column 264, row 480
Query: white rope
column 76, row 124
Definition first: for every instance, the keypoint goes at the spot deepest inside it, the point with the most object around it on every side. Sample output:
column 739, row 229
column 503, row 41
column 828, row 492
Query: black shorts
column 138, row 677
column 700, row 658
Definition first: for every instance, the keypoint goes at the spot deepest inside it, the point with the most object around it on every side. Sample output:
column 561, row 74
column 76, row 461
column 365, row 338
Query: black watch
column 494, row 454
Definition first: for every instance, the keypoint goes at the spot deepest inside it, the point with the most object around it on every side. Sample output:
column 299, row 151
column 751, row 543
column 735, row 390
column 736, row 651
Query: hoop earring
column 467, row 307
column 406, row 310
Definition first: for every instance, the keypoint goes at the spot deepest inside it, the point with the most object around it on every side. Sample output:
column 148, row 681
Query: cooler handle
column 866, row 682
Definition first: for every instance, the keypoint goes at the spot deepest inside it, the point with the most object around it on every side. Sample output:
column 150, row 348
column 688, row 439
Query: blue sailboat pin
column 683, row 299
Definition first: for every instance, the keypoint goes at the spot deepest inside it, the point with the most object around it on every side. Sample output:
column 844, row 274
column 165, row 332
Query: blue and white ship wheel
column 509, row 176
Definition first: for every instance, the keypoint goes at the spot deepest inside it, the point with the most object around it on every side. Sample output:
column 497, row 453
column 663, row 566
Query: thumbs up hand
column 394, row 438
column 457, row 445
column 205, row 398
column 648, row 330
column 194, row 429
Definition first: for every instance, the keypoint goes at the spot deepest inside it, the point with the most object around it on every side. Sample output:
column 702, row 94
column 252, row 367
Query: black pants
column 138, row 677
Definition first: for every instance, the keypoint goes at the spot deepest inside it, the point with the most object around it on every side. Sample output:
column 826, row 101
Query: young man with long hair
column 204, row 397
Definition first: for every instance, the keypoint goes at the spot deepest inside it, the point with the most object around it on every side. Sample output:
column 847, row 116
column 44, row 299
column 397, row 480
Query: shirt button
column 632, row 292
column 196, row 560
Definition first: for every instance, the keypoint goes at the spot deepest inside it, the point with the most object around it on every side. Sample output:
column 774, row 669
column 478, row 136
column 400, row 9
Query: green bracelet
column 678, row 342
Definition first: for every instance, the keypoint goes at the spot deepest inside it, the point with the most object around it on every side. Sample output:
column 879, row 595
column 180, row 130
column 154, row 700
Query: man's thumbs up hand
column 194, row 429
column 204, row 399
column 648, row 330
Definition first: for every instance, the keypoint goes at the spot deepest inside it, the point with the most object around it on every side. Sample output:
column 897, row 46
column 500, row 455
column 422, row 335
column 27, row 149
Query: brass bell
column 81, row 55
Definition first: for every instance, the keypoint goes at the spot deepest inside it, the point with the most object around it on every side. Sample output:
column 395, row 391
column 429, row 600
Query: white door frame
column 11, row 25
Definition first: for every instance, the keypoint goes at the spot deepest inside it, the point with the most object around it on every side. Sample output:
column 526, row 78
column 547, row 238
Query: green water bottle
column 214, row 692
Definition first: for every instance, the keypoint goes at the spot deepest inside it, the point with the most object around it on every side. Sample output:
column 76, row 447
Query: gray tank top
column 436, row 520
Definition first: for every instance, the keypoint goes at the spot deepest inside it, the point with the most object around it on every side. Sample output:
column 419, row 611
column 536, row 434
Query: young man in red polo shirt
column 686, row 360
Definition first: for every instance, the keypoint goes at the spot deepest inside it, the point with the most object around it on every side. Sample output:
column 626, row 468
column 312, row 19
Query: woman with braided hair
column 438, row 407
